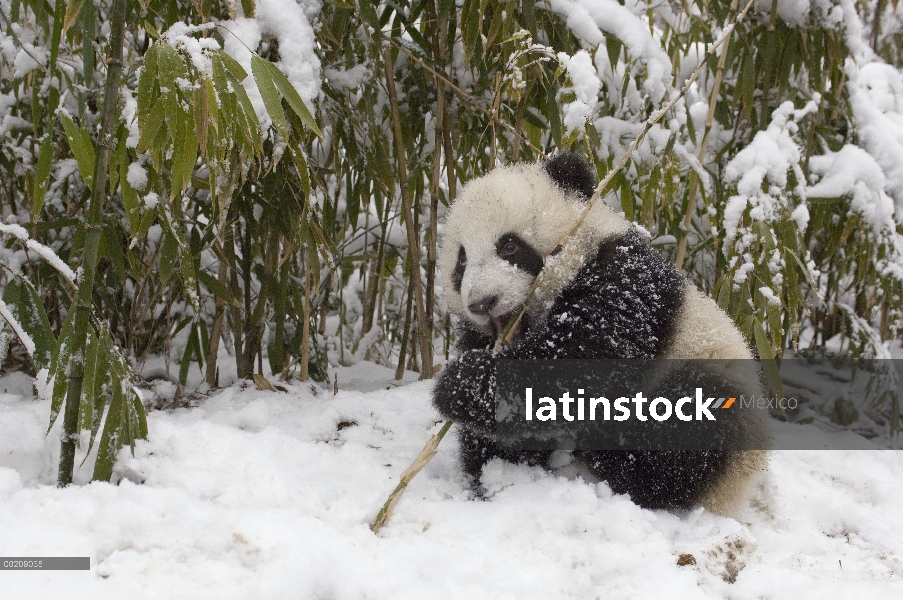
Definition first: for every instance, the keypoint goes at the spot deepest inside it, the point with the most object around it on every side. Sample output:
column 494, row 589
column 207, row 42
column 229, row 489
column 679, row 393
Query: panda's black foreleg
column 476, row 450
column 666, row 479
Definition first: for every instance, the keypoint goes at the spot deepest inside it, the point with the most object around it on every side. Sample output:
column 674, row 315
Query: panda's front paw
column 477, row 491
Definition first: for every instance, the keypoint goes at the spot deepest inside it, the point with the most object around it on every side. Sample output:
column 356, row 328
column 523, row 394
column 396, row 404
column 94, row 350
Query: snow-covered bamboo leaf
column 82, row 147
column 22, row 298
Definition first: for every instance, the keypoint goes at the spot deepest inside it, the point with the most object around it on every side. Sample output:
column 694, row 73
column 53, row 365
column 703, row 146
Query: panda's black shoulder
column 572, row 173
column 628, row 297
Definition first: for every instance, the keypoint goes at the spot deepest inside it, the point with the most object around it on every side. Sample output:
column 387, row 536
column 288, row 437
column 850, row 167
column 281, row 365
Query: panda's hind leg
column 666, row 479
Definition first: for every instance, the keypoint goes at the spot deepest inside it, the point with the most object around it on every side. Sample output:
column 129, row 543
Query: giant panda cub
column 606, row 295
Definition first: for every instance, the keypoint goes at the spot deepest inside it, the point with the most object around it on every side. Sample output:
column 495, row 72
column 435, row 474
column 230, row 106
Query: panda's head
column 499, row 230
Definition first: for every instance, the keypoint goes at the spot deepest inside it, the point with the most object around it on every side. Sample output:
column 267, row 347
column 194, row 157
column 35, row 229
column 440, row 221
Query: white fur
column 519, row 199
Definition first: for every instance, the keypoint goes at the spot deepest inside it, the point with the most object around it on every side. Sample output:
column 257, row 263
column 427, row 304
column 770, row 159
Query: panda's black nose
column 483, row 306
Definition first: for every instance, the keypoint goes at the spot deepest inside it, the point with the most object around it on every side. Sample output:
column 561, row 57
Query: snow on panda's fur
column 607, row 294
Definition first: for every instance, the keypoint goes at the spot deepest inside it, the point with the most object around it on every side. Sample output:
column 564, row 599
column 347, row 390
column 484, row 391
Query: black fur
column 572, row 174
column 622, row 304
column 458, row 274
column 525, row 257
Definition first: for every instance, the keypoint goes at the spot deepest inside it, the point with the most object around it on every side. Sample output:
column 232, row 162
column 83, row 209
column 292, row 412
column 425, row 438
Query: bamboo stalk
column 438, row 142
column 424, row 335
column 425, row 456
column 216, row 331
column 305, row 324
column 703, row 146
column 405, row 335
column 93, row 228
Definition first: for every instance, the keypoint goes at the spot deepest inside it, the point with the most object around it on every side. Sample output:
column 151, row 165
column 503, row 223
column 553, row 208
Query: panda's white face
column 496, row 235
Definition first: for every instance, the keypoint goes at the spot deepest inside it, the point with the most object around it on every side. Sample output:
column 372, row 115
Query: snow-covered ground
column 256, row 494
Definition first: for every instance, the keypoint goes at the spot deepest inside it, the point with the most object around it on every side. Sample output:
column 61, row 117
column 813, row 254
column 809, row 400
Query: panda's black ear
column 572, row 174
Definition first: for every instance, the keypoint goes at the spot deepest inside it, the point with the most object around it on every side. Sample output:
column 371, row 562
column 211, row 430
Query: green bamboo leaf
column 59, row 14
column 231, row 65
column 111, row 438
column 58, row 364
column 301, row 165
column 129, row 199
column 42, row 175
column 192, row 348
column 114, row 252
column 91, row 384
column 168, row 255
column 769, row 365
column 82, row 147
column 249, row 126
column 775, row 323
column 73, row 9
column 186, row 262
column 147, row 85
column 105, row 348
column 100, row 400
column 471, row 28
column 149, row 126
column 269, row 94
column 291, row 96
column 218, row 289
column 170, row 69
column 613, row 47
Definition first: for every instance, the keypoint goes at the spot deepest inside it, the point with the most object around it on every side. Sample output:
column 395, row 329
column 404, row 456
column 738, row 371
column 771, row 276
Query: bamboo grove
column 214, row 214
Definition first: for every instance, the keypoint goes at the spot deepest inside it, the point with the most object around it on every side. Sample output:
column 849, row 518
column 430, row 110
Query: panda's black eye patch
column 509, row 249
column 519, row 253
column 458, row 273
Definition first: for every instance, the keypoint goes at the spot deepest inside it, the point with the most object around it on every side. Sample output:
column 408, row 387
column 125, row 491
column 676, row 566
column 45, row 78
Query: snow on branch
column 587, row 19
column 46, row 253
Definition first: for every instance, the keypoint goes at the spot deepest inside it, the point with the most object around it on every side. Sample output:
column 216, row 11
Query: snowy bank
column 256, row 494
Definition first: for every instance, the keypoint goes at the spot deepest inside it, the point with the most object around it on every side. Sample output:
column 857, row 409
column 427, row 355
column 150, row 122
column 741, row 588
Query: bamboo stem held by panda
column 656, row 116
column 425, row 456
column 424, row 335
